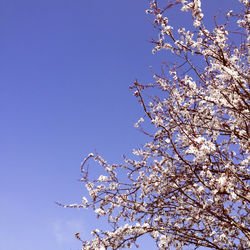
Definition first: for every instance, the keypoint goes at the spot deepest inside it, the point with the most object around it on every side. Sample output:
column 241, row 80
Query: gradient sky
column 65, row 69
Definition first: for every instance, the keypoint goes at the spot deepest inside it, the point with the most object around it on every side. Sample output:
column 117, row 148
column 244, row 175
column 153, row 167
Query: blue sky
column 65, row 68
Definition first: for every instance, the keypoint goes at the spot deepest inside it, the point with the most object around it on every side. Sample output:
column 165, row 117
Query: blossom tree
column 189, row 184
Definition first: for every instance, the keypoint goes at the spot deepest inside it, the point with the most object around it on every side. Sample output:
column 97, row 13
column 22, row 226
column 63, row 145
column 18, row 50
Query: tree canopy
column 189, row 184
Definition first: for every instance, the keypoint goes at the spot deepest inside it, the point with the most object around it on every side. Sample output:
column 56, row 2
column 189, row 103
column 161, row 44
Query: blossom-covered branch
column 189, row 185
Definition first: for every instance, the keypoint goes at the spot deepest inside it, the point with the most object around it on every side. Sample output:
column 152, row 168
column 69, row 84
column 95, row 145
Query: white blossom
column 189, row 184
column 103, row 178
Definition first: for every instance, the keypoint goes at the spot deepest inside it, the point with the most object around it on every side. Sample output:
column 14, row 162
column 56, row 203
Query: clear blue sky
column 65, row 68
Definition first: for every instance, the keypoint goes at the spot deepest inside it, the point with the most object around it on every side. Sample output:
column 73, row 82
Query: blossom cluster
column 189, row 185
